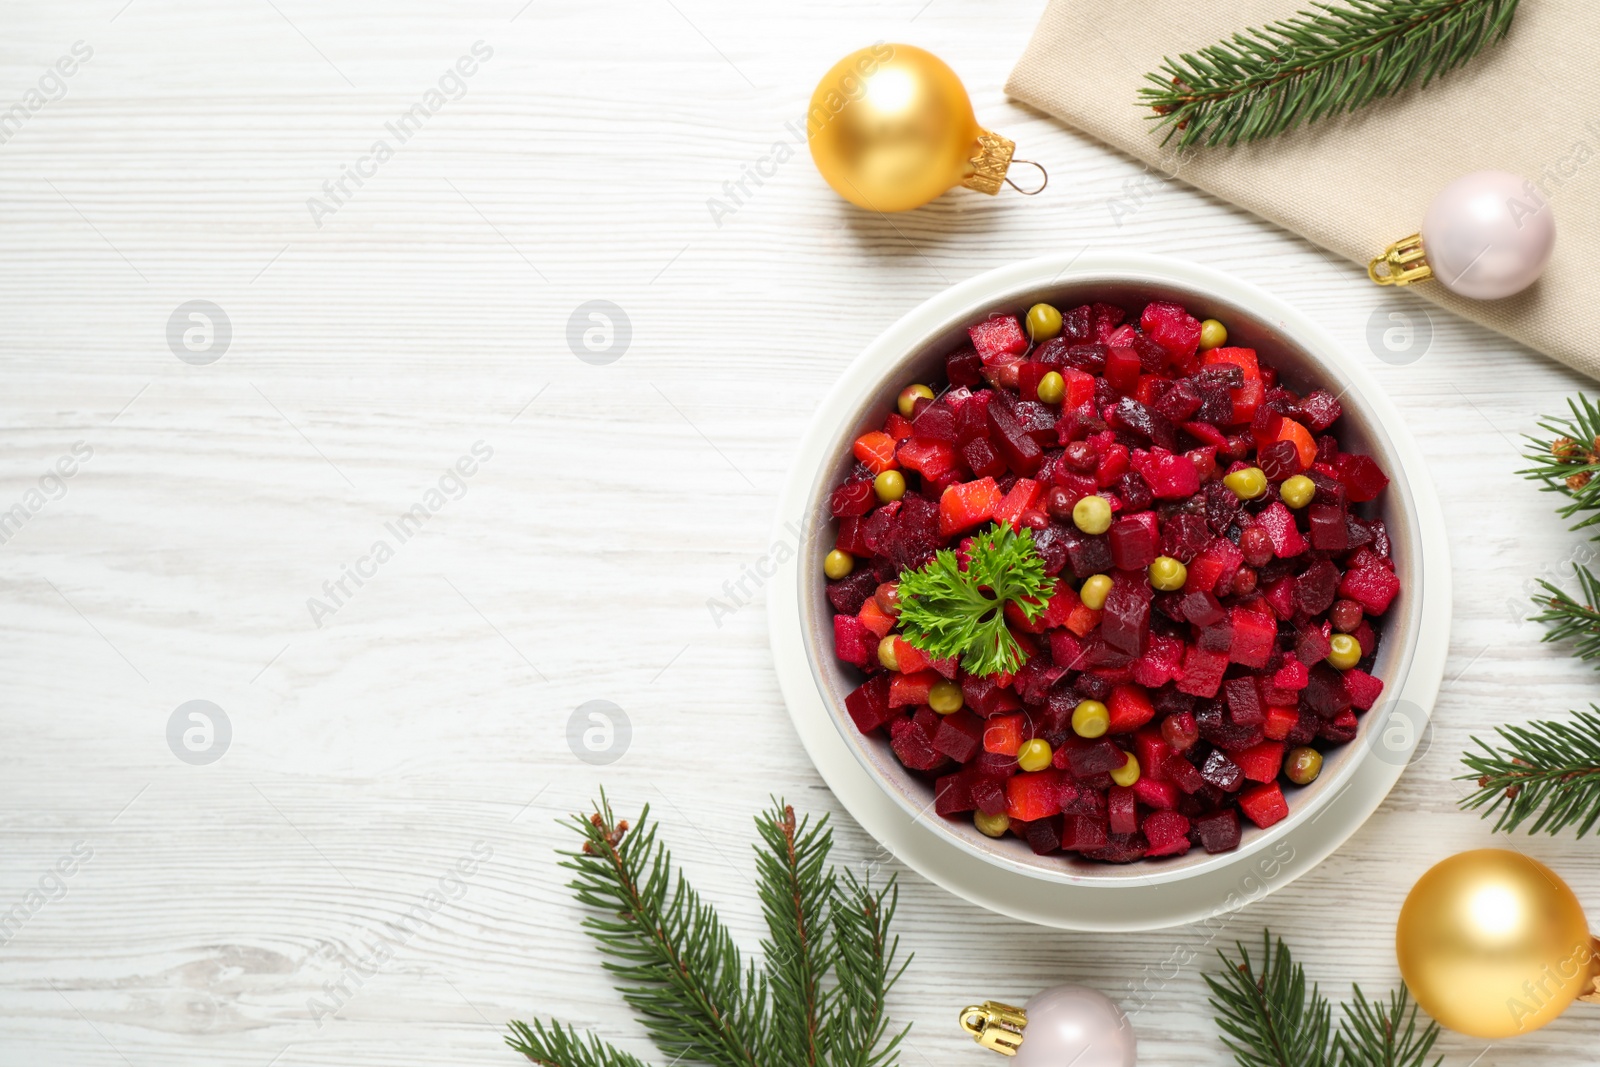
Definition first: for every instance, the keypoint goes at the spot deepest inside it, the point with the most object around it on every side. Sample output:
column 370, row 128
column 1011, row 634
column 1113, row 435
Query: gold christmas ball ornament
column 891, row 128
column 1493, row 944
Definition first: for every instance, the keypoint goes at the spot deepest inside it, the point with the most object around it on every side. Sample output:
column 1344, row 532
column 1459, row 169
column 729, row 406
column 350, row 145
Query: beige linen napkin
column 1355, row 183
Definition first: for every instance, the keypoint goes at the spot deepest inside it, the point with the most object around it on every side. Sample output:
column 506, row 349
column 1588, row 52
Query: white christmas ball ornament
column 1488, row 234
column 1064, row 1026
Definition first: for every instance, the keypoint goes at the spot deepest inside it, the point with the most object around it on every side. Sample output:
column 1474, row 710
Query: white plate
column 1004, row 876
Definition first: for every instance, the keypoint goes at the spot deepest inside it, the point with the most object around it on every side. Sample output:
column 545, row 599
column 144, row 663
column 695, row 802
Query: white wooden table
column 420, row 719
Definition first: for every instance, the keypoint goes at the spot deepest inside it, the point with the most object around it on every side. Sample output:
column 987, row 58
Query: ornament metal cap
column 997, row 1027
column 1404, row 263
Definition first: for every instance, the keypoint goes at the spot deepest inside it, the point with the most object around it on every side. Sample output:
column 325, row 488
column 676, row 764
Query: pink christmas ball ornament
column 1488, row 234
column 1064, row 1026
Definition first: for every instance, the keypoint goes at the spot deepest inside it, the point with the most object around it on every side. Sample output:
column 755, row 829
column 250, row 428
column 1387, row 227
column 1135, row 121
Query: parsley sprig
column 946, row 611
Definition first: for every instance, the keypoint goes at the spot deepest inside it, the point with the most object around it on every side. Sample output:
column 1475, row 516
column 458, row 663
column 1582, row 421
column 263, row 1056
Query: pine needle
column 1379, row 1034
column 1567, row 461
column 1571, row 619
column 1322, row 62
column 1543, row 773
column 1269, row 1020
column 819, row 1000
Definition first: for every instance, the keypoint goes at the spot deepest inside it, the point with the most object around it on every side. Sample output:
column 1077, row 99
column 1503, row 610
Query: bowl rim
column 1414, row 677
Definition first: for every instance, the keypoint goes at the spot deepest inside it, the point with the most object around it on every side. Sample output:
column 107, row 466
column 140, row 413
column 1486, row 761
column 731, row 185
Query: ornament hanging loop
column 997, row 1027
column 1404, row 262
column 1044, row 178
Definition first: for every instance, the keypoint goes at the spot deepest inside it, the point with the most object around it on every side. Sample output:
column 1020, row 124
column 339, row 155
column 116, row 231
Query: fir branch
column 554, row 1045
column 1546, row 772
column 796, row 889
column 1571, row 619
column 866, row 970
column 830, row 959
column 1323, row 62
column 1379, row 1034
column 947, row 611
column 1269, row 1018
column 673, row 960
column 1566, row 461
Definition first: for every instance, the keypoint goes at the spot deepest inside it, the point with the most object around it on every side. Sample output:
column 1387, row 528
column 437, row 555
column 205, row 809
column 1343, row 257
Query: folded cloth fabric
column 1357, row 182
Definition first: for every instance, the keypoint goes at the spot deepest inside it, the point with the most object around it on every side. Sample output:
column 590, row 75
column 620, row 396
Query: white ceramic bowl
column 1062, row 889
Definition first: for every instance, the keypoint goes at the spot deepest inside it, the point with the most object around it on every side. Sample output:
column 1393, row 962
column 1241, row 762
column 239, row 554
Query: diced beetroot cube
column 1112, row 466
column 1341, row 729
column 1279, row 722
column 1219, row 831
column 1244, row 702
column 1313, row 643
column 1329, row 530
column 1262, row 762
column 963, row 506
column 1264, row 804
column 1170, row 477
column 913, row 746
column 852, row 641
column 1129, row 708
column 1083, row 833
column 964, row 368
column 1320, row 409
column 1125, row 619
column 1167, row 832
column 1362, row 478
column 1020, row 451
column 1120, row 848
column 1134, row 541
column 1183, row 774
column 960, row 736
column 1087, row 554
column 1042, row 835
column 1160, row 662
column 1152, row 752
column 1254, row 638
column 852, row 499
column 1202, row 672
column 972, row 417
column 1153, row 793
column 1280, row 460
column 1278, row 521
column 937, row 422
column 1292, row 675
column 1280, row 597
column 1172, row 327
column 1085, row 758
column 868, row 704
column 1364, row 688
column 1122, row 369
column 1315, row 588
column 1372, row 587
column 1215, row 567
column 952, row 794
column 1033, row 795
column 1122, row 809
column 981, row 456
column 1326, row 695
column 853, row 537
column 1222, row 772
column 989, row 793
column 1184, row 536
column 1022, row 496
column 1305, row 727
column 987, row 698
column 931, row 459
column 849, row 593
column 998, row 336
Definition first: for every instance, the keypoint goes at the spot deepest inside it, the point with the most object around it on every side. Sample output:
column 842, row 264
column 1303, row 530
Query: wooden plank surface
column 421, row 729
